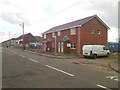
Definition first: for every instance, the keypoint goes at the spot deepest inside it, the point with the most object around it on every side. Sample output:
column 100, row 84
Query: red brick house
column 70, row 37
column 28, row 38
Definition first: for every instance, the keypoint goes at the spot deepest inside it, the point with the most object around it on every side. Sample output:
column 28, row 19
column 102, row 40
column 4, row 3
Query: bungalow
column 70, row 37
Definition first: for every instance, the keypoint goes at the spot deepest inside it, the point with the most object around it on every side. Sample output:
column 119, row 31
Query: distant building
column 70, row 37
column 13, row 41
column 37, row 44
column 114, row 46
column 28, row 38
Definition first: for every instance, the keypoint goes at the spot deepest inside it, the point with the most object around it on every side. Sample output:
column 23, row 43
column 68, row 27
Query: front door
column 59, row 47
column 62, row 46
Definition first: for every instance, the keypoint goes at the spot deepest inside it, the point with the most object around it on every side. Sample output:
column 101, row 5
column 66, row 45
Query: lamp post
column 23, row 35
column 9, row 40
column 55, row 45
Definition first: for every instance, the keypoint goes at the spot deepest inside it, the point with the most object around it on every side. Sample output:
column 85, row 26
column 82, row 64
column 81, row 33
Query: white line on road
column 15, row 53
column 116, row 80
column 21, row 55
column 59, row 70
column 10, row 54
column 33, row 60
column 101, row 86
column 113, row 78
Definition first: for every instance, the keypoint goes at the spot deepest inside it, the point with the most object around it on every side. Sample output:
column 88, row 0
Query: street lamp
column 23, row 35
column 55, row 45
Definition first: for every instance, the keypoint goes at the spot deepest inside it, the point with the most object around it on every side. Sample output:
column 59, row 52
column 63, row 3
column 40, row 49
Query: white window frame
column 93, row 31
column 53, row 34
column 59, row 33
column 72, row 31
column 44, row 36
column 98, row 32
column 53, row 45
column 72, row 45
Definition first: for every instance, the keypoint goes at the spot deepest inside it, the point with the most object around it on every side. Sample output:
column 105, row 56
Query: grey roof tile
column 73, row 24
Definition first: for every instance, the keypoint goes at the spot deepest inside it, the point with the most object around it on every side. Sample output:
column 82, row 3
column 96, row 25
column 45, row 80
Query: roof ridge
column 71, row 24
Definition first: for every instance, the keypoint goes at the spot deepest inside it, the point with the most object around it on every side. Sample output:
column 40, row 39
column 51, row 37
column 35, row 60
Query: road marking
column 116, row 80
column 15, row 53
column 101, row 86
column 113, row 78
column 9, row 53
column 21, row 55
column 59, row 70
column 33, row 60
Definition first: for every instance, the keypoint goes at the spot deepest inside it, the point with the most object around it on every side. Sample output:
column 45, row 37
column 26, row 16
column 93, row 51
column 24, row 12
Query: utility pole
column 9, row 40
column 79, row 50
column 23, row 36
column 55, row 45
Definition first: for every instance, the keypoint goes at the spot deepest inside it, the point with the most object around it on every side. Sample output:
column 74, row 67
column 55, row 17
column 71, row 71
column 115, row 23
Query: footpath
column 102, row 62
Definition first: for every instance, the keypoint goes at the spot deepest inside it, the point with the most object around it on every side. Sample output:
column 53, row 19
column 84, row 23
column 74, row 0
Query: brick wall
column 86, row 36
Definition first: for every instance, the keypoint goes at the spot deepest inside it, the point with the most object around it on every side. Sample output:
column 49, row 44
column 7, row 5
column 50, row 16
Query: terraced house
column 70, row 37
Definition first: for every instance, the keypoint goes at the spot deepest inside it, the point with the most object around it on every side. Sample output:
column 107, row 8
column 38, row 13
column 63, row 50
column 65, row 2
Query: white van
column 95, row 50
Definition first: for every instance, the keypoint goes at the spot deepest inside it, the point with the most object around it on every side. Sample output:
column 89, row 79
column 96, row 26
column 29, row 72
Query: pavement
column 114, row 66
column 104, row 62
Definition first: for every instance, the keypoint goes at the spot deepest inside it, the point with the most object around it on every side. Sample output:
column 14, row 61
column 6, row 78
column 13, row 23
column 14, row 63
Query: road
column 21, row 69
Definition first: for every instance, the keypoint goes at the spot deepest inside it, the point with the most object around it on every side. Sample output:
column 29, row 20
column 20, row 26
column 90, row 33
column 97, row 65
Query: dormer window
column 72, row 31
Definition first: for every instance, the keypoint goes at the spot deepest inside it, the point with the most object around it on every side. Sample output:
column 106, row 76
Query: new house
column 70, row 37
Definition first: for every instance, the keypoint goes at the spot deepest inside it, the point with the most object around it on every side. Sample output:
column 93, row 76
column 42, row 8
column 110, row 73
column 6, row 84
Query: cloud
column 40, row 15
column 11, row 17
column 109, row 9
column 113, row 36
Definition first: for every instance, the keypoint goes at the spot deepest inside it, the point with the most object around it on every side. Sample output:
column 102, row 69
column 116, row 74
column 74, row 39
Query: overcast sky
column 41, row 15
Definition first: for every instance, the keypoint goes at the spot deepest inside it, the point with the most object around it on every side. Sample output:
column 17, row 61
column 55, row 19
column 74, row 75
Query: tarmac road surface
column 25, row 70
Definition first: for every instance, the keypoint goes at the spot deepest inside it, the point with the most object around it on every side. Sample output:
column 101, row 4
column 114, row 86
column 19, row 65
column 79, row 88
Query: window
column 104, row 48
column 44, row 36
column 59, row 33
column 53, row 45
column 73, row 31
column 72, row 46
column 98, row 32
column 93, row 31
column 53, row 34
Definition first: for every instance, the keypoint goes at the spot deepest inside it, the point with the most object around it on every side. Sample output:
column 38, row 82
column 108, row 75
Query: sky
column 41, row 15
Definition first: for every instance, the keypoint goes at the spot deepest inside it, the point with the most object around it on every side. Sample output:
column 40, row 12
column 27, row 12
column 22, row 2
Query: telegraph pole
column 9, row 40
column 23, row 47
column 23, row 36
column 55, row 44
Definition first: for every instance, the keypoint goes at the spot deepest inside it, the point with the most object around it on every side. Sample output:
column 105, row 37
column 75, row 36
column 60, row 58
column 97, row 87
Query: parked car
column 95, row 51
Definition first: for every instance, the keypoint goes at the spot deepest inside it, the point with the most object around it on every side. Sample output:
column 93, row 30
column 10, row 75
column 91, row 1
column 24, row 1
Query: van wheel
column 94, row 56
column 108, row 55
column 85, row 56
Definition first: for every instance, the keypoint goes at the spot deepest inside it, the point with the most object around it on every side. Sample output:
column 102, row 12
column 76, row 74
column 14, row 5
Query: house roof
column 73, row 24
column 13, row 38
column 38, row 38
column 20, row 37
